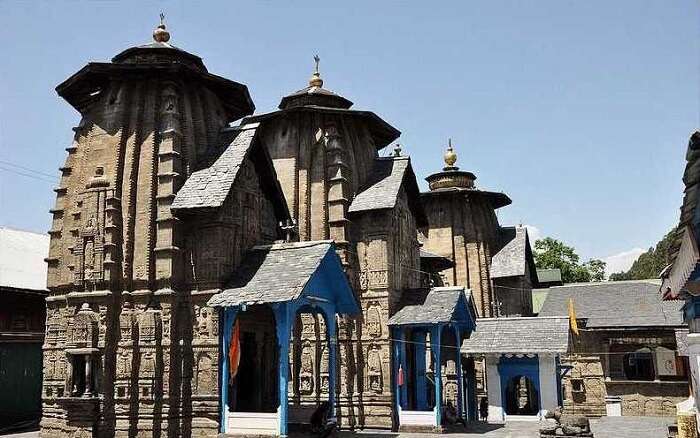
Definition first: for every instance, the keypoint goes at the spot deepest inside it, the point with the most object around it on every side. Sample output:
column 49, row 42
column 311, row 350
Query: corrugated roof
column 615, row 304
column 521, row 335
column 22, row 255
column 511, row 260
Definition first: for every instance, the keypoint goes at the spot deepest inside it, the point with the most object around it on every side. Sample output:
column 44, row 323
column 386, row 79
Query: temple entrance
column 254, row 389
column 522, row 397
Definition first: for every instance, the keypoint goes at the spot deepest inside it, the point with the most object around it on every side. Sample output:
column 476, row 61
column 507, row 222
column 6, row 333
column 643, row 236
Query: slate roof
column 511, row 260
column 22, row 255
column 518, row 335
column 273, row 273
column 384, row 185
column 209, row 187
column 496, row 199
column 549, row 275
column 434, row 261
column 439, row 307
column 615, row 304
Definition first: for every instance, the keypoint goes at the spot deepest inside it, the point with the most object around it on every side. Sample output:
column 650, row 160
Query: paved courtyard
column 606, row 427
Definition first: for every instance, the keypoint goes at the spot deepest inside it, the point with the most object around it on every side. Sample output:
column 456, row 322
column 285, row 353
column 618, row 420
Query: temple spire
column 316, row 80
column 160, row 35
column 450, row 156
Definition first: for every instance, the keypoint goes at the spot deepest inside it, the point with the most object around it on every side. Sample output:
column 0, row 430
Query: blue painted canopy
column 302, row 272
column 443, row 305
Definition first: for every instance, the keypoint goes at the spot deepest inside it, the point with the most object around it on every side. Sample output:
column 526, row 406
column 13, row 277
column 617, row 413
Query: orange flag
column 234, row 350
column 572, row 317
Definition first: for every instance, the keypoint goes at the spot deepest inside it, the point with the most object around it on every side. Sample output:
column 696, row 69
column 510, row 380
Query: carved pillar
column 169, row 182
column 339, row 192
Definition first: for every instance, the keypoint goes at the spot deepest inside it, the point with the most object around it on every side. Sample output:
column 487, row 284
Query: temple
column 214, row 271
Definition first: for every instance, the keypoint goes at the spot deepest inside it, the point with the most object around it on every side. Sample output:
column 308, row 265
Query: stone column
column 493, row 382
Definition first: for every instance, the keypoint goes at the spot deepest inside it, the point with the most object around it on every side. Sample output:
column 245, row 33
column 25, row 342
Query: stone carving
column 374, row 320
column 206, row 379
column 306, row 371
column 148, row 323
column 324, row 370
column 124, row 365
column 83, row 331
column 204, row 325
column 374, row 369
column 148, row 365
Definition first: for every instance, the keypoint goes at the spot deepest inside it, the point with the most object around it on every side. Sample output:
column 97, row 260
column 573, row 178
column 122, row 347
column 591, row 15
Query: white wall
column 493, row 382
column 548, row 383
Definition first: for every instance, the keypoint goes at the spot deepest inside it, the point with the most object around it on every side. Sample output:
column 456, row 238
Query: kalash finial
column 316, row 80
column 450, row 156
column 397, row 150
column 160, row 35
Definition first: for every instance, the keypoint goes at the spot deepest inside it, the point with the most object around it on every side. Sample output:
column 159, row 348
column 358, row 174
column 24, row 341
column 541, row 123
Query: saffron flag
column 399, row 378
column 234, row 351
column 572, row 317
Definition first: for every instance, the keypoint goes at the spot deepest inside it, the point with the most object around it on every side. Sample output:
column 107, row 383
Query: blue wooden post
column 331, row 334
column 227, row 316
column 282, row 322
column 460, row 390
column 398, row 335
column 435, row 334
column 402, row 349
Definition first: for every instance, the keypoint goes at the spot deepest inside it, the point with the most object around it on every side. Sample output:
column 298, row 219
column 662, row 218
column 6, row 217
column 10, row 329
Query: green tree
column 650, row 263
column 553, row 254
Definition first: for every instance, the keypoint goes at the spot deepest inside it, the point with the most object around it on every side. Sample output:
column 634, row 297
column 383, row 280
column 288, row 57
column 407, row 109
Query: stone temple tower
column 463, row 227
column 130, row 344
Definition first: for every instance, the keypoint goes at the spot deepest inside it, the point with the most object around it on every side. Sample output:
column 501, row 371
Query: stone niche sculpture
column 558, row 425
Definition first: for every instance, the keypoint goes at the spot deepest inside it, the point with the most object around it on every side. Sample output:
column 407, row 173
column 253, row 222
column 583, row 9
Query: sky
column 579, row 111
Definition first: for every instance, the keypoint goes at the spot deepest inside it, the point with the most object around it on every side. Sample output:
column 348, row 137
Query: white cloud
column 622, row 261
column 533, row 232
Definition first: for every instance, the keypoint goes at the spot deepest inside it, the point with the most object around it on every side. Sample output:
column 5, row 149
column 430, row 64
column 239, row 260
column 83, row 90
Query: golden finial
column 450, row 156
column 160, row 35
column 316, row 80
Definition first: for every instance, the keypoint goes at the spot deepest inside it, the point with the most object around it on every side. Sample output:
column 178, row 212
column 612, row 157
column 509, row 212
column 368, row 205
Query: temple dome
column 158, row 51
column 314, row 95
column 451, row 176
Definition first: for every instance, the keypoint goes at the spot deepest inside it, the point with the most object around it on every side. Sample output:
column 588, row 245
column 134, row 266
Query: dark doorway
column 254, row 389
column 522, row 397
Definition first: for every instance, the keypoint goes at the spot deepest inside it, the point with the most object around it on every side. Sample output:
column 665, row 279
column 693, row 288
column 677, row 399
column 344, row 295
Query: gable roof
column 210, row 187
column 519, row 335
column 388, row 175
column 514, row 256
column 549, row 275
column 608, row 304
column 22, row 256
column 442, row 305
column 283, row 271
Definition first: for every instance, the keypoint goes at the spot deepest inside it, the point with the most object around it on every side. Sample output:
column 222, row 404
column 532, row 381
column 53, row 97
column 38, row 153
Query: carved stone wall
column 143, row 276
column 464, row 228
column 598, row 373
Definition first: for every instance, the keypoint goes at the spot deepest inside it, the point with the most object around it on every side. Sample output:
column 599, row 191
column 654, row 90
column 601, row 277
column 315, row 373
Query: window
column 639, row 365
column 83, row 375
column 577, row 385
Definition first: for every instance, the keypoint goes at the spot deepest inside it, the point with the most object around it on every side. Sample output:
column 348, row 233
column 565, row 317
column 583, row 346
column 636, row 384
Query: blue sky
column 580, row 111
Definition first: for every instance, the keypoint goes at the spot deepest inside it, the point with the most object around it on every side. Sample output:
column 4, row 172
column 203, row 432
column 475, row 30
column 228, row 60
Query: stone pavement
column 605, row 427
